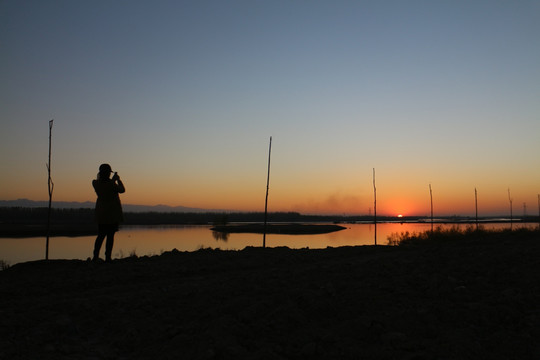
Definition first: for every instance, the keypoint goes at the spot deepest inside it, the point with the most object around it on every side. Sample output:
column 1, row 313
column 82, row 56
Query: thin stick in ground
column 266, row 198
column 375, row 206
column 51, row 188
column 431, row 200
column 511, row 214
column 476, row 206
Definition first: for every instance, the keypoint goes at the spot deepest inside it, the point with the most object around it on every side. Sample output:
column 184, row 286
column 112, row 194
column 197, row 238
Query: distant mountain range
column 90, row 204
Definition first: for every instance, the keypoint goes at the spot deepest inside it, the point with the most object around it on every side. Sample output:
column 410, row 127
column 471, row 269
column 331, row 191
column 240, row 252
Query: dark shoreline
column 39, row 230
column 470, row 299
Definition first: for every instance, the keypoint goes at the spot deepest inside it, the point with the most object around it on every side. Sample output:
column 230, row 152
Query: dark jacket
column 108, row 206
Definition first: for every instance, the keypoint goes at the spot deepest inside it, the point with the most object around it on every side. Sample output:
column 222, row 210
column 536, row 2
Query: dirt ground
column 463, row 300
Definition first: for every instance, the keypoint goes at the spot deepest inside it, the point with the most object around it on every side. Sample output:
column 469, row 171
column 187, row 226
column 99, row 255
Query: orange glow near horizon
column 232, row 202
column 245, row 192
column 389, row 203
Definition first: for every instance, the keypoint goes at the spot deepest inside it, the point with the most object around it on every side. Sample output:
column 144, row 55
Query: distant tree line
column 38, row 216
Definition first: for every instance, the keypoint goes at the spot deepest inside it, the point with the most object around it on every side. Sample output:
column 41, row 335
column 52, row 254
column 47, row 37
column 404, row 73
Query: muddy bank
column 467, row 300
column 288, row 229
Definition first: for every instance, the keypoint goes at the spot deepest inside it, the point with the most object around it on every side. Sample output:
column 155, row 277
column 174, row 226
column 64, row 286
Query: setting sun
column 400, row 216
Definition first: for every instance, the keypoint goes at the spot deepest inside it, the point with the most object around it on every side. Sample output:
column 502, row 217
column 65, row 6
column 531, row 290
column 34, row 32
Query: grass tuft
column 455, row 233
column 4, row 265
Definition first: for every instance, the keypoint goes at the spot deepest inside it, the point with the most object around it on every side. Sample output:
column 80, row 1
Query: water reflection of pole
column 476, row 206
column 431, row 199
column 266, row 199
column 51, row 187
column 374, row 206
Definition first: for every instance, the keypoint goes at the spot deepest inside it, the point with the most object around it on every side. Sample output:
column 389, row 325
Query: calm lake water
column 144, row 240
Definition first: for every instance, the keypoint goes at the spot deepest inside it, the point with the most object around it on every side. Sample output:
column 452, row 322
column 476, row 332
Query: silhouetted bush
column 4, row 265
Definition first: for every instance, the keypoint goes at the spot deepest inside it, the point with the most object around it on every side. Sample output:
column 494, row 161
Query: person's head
column 105, row 171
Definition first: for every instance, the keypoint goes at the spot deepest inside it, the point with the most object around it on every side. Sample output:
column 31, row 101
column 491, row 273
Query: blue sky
column 181, row 98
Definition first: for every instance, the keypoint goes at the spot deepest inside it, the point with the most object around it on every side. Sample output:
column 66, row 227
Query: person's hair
column 104, row 172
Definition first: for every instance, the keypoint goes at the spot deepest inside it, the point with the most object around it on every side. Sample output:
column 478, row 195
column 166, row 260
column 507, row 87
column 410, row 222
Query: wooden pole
column 539, row 211
column 431, row 199
column 511, row 214
column 267, row 187
column 375, row 206
column 50, row 187
column 476, row 206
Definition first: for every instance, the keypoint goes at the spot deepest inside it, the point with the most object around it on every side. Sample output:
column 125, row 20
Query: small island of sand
column 287, row 229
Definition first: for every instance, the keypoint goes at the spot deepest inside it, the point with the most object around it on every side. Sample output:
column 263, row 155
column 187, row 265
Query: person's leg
column 109, row 246
column 97, row 245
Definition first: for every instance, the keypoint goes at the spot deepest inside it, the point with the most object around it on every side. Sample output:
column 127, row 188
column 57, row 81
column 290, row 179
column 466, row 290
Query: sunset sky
column 181, row 97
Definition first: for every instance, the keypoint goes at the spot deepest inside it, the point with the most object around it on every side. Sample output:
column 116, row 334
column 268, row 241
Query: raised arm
column 119, row 184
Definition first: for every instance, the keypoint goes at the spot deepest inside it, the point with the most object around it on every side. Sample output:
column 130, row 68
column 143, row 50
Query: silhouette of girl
column 108, row 208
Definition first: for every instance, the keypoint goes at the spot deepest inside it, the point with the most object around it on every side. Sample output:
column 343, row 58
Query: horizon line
column 330, row 213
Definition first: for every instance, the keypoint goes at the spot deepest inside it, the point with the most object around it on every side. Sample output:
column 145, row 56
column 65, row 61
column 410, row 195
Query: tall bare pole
column 476, row 206
column 51, row 188
column 375, row 206
column 431, row 199
column 539, row 211
column 511, row 214
column 267, row 187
